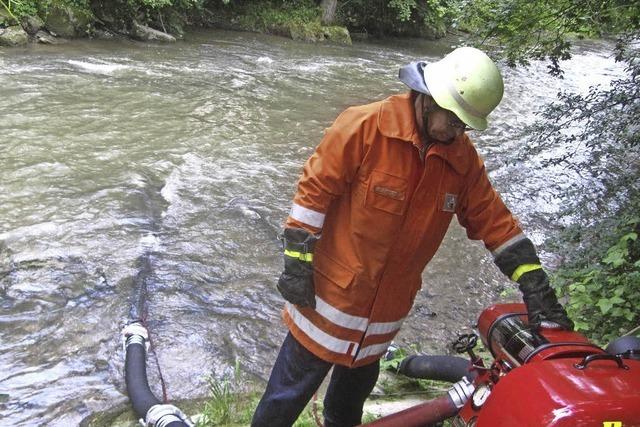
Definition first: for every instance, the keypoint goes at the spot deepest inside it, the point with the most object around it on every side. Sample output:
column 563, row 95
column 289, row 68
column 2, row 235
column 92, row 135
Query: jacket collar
column 396, row 119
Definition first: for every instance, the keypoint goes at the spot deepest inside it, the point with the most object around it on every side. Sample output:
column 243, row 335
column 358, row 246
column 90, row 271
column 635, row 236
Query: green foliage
column 265, row 15
column 542, row 29
column 19, row 8
column 152, row 4
column 229, row 403
column 427, row 18
column 603, row 297
column 404, row 8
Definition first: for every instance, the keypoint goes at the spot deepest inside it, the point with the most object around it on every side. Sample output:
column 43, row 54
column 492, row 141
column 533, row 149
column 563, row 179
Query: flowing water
column 126, row 166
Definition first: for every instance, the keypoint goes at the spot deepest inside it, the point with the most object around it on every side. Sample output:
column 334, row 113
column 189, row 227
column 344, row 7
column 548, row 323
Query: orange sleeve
column 482, row 212
column 329, row 171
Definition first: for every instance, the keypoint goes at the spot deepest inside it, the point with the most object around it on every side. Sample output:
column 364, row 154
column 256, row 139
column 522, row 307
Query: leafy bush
column 19, row 8
column 603, row 298
column 399, row 17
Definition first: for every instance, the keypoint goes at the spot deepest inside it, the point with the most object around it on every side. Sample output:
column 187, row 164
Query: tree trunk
column 328, row 11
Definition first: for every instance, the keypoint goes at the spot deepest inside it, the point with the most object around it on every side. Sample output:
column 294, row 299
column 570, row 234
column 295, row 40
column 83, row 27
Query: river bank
column 55, row 21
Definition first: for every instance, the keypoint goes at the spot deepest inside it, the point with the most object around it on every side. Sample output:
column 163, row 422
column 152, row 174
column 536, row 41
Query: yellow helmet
column 466, row 82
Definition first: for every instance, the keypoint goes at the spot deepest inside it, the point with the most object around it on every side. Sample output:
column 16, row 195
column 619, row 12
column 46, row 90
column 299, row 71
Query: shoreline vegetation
column 52, row 21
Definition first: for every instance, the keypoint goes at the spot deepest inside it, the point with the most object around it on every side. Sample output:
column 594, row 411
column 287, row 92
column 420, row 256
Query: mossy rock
column 315, row 32
column 13, row 36
column 32, row 24
column 306, row 32
column 337, row 34
column 68, row 21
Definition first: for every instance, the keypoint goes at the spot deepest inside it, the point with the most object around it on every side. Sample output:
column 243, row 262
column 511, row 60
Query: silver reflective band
column 515, row 239
column 307, row 216
column 321, row 338
column 338, row 317
column 381, row 328
column 373, row 350
column 461, row 102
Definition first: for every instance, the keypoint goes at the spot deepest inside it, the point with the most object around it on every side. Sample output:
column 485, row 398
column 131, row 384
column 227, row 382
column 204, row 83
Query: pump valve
column 465, row 343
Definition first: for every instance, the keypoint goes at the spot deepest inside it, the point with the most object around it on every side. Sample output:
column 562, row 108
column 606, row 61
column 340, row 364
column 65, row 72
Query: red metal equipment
column 551, row 378
column 548, row 378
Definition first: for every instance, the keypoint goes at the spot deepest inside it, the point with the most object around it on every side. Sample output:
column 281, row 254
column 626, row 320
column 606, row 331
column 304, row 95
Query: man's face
column 438, row 124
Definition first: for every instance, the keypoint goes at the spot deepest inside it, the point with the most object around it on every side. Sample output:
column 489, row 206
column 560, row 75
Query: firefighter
column 371, row 208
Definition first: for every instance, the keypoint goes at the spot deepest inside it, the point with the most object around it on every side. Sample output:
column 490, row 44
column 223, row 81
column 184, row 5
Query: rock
column 32, row 24
column 46, row 38
column 337, row 34
column 144, row 33
column 13, row 36
column 103, row 35
column 64, row 21
column 315, row 33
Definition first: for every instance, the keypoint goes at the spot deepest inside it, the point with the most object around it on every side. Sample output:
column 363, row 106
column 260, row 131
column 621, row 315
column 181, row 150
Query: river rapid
column 173, row 166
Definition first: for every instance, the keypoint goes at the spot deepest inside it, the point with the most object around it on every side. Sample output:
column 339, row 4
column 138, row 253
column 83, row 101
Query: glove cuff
column 299, row 244
column 513, row 257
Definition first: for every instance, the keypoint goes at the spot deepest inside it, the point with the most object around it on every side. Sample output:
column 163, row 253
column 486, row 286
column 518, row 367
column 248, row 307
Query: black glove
column 542, row 304
column 296, row 281
column 539, row 297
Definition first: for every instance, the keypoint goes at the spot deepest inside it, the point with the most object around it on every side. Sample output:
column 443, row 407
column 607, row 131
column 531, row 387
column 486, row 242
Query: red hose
column 429, row 412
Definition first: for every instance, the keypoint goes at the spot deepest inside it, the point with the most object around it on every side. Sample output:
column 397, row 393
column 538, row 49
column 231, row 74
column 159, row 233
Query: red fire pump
column 546, row 378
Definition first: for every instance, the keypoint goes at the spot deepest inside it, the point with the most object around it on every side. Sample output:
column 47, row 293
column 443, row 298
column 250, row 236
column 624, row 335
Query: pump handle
column 590, row 358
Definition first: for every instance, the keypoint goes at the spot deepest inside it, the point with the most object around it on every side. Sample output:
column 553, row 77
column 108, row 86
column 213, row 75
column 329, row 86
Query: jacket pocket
column 332, row 270
column 387, row 193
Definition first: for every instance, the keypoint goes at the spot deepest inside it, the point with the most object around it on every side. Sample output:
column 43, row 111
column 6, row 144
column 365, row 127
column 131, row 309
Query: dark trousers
column 296, row 376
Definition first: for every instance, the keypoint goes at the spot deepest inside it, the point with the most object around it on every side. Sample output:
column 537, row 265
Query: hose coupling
column 460, row 392
column 134, row 333
column 164, row 414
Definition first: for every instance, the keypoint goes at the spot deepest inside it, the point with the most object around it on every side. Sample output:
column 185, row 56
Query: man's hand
column 296, row 281
column 543, row 307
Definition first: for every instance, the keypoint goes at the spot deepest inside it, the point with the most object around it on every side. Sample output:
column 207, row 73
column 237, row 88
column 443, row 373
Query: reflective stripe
column 299, row 255
column 462, row 103
column 384, row 327
column 340, row 318
column 321, row 338
column 497, row 251
column 308, row 216
column 524, row 268
column 373, row 350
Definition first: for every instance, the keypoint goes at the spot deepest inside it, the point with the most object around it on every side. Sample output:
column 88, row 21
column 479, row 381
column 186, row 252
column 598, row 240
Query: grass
column 232, row 400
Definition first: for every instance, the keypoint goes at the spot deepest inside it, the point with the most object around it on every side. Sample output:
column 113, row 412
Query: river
column 183, row 158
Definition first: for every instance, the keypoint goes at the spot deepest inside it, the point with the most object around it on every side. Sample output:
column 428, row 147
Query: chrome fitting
column 134, row 333
column 460, row 392
column 164, row 414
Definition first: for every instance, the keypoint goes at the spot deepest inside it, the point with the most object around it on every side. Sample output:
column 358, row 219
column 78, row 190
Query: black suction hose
column 145, row 404
column 440, row 368
column 135, row 372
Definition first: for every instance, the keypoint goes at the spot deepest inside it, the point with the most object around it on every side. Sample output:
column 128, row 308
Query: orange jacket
column 383, row 208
